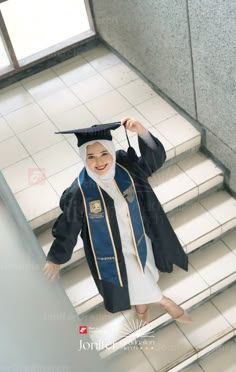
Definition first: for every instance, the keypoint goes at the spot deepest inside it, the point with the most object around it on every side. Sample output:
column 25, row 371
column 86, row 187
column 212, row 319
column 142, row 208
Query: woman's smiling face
column 98, row 159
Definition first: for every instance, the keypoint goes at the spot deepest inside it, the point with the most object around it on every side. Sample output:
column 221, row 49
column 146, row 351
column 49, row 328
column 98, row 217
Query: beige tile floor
column 94, row 87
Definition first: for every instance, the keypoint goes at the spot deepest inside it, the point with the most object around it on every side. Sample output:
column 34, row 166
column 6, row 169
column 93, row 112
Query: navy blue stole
column 99, row 226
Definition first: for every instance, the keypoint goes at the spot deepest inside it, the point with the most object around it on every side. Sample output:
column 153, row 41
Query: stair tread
column 221, row 359
column 186, row 341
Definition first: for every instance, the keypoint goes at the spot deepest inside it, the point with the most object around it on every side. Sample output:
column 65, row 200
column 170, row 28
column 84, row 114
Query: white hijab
column 106, row 181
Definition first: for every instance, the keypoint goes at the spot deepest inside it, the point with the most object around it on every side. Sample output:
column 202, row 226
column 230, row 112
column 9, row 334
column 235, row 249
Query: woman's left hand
column 133, row 125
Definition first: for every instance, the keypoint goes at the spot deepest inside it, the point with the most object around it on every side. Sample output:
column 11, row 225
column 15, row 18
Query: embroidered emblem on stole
column 95, row 206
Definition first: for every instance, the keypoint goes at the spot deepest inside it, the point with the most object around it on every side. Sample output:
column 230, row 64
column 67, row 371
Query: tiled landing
column 94, row 87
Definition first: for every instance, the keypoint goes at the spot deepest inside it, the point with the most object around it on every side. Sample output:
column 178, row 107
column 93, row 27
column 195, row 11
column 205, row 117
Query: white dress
column 143, row 287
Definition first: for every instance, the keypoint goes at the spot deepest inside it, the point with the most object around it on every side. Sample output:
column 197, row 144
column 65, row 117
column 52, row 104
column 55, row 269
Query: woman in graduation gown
column 126, row 234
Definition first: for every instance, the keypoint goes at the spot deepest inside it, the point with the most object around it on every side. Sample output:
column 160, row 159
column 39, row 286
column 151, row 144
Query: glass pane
column 35, row 25
column 4, row 60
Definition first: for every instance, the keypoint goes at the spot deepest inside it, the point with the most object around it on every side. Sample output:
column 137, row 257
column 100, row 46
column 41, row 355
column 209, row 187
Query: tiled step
column 170, row 348
column 174, row 186
column 38, row 214
column 211, row 268
column 221, row 359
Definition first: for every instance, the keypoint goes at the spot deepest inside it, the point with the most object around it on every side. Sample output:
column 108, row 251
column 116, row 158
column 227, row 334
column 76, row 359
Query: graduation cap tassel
column 131, row 151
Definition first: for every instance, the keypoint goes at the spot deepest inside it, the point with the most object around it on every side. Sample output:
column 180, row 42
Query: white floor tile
column 156, row 110
column 5, row 130
column 177, row 130
column 43, row 84
column 214, row 263
column 11, row 87
column 63, row 179
column 78, row 117
column 188, row 145
column 119, row 133
column 221, row 360
column 130, row 360
column 118, row 146
column 226, row 304
column 79, row 284
column 230, row 241
column 224, row 283
column 137, row 92
column 193, row 222
column 91, row 88
column 40, row 137
column 171, row 183
column 101, row 58
column 67, row 62
column 221, row 205
column 73, row 142
column 37, row 200
column 26, row 118
column 76, row 71
column 207, row 325
column 93, row 53
column 217, row 180
column 11, row 151
column 108, row 105
column 119, row 75
column 169, row 148
column 134, row 141
column 199, row 168
column 56, row 158
column 181, row 285
column 46, row 217
column 218, row 343
column 170, row 345
column 22, row 174
column 61, row 101
column 13, row 99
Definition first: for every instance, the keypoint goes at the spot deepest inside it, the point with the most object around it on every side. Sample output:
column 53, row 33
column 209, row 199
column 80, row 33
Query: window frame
column 46, row 54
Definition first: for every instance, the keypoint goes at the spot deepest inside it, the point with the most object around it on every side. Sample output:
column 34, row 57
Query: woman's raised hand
column 133, row 125
column 51, row 270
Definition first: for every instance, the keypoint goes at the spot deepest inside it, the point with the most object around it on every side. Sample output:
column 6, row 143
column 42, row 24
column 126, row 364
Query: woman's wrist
column 143, row 133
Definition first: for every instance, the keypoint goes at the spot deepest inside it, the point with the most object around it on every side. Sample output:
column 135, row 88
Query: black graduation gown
column 167, row 249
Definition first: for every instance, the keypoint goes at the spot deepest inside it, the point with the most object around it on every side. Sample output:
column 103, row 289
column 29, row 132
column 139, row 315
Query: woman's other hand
column 51, row 270
column 133, row 125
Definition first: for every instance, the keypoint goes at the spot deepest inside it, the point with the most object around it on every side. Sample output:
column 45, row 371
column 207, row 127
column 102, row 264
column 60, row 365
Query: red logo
column 83, row 330
column 36, row 176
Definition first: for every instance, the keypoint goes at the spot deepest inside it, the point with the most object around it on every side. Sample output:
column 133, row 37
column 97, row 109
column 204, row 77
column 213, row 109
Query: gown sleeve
column 153, row 156
column 67, row 226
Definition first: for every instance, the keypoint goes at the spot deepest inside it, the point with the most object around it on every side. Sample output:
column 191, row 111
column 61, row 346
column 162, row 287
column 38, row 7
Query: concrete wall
column 187, row 49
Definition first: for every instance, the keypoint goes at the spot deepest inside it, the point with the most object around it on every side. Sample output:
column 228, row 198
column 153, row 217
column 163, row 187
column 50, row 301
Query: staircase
column 191, row 190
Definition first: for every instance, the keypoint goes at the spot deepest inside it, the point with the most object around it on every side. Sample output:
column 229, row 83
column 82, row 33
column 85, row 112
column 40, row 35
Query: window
column 37, row 28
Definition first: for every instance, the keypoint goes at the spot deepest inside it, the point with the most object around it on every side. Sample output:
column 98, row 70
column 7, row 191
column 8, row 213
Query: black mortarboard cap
column 99, row 131
column 96, row 131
